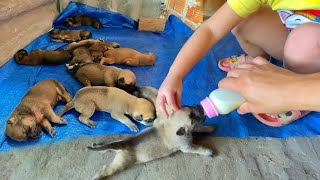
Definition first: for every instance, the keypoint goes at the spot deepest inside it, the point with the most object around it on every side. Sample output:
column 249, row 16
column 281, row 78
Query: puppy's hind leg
column 196, row 149
column 125, row 120
column 85, row 81
column 122, row 160
column 63, row 93
column 86, row 112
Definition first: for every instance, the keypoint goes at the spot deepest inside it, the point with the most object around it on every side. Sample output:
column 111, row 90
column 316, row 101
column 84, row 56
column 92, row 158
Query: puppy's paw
column 63, row 121
column 207, row 152
column 133, row 127
column 92, row 124
column 52, row 132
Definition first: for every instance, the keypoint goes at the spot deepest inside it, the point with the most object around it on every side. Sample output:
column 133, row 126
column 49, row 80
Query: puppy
column 82, row 20
column 155, row 142
column 36, row 110
column 164, row 138
column 96, row 47
column 127, row 56
column 93, row 74
column 59, row 35
column 41, row 57
column 113, row 100
column 81, row 55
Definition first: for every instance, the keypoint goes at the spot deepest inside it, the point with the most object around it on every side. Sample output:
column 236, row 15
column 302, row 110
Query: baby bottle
column 221, row 101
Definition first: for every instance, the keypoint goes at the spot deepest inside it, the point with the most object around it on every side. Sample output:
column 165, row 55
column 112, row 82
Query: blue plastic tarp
column 16, row 80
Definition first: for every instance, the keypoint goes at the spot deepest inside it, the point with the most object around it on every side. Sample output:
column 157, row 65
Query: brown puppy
column 82, row 20
column 41, row 57
column 59, row 35
column 96, row 47
column 155, row 142
column 81, row 55
column 94, row 74
column 113, row 100
column 127, row 56
column 36, row 110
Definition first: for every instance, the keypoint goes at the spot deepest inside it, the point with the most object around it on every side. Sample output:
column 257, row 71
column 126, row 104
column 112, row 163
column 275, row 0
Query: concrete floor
column 236, row 159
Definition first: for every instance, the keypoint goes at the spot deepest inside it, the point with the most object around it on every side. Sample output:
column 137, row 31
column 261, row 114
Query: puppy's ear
column 181, row 131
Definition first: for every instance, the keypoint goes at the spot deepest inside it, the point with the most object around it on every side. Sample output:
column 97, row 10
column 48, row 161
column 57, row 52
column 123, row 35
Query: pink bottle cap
column 209, row 109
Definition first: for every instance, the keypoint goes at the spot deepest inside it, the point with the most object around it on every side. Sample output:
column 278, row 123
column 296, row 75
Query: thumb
column 244, row 108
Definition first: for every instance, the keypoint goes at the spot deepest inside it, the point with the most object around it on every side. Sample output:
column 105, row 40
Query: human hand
column 267, row 88
column 170, row 93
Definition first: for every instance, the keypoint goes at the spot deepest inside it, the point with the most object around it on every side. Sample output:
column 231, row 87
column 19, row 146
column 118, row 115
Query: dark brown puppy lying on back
column 96, row 47
column 127, row 56
column 41, row 57
column 94, row 74
column 59, row 35
column 81, row 55
column 36, row 110
column 82, row 20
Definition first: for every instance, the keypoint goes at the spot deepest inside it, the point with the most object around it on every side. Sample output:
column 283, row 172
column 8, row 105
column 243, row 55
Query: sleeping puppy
column 36, row 110
column 59, row 35
column 113, row 100
column 96, row 47
column 41, row 57
column 82, row 20
column 93, row 74
column 127, row 56
column 155, row 142
column 81, row 55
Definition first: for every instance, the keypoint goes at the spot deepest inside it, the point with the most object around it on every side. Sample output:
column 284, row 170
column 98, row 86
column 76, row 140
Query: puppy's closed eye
column 181, row 131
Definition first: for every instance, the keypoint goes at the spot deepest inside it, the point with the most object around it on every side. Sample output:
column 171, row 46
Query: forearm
column 309, row 95
column 215, row 28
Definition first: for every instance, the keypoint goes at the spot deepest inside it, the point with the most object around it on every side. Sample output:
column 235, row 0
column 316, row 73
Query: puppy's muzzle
column 197, row 113
column 34, row 133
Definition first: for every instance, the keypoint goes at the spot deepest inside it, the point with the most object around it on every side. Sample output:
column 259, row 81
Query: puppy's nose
column 197, row 113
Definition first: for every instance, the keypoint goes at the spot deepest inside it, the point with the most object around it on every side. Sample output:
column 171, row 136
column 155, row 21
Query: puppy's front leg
column 125, row 120
column 196, row 149
column 47, row 126
column 203, row 129
column 49, row 113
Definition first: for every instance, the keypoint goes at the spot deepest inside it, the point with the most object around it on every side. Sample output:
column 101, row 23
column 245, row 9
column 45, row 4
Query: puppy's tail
column 103, row 146
column 66, row 108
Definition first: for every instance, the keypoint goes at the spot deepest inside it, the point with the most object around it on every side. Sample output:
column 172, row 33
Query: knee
column 302, row 49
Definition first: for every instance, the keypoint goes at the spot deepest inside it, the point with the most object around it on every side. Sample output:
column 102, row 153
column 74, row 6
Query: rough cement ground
column 236, row 159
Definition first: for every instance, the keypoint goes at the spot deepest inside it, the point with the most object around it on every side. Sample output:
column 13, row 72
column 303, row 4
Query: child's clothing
column 292, row 19
column 246, row 7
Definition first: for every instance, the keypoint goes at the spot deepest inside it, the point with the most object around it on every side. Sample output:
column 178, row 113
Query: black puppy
column 82, row 20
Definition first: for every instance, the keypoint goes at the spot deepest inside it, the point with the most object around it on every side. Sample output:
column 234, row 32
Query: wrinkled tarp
column 16, row 80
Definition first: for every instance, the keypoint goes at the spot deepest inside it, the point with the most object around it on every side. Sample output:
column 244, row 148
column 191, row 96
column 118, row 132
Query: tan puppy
column 81, row 55
column 127, row 56
column 82, row 20
column 59, row 35
column 155, row 142
column 113, row 100
column 96, row 47
column 36, row 110
column 94, row 74
column 41, row 57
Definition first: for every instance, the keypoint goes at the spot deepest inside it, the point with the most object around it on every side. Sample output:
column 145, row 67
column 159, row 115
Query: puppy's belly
column 150, row 153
